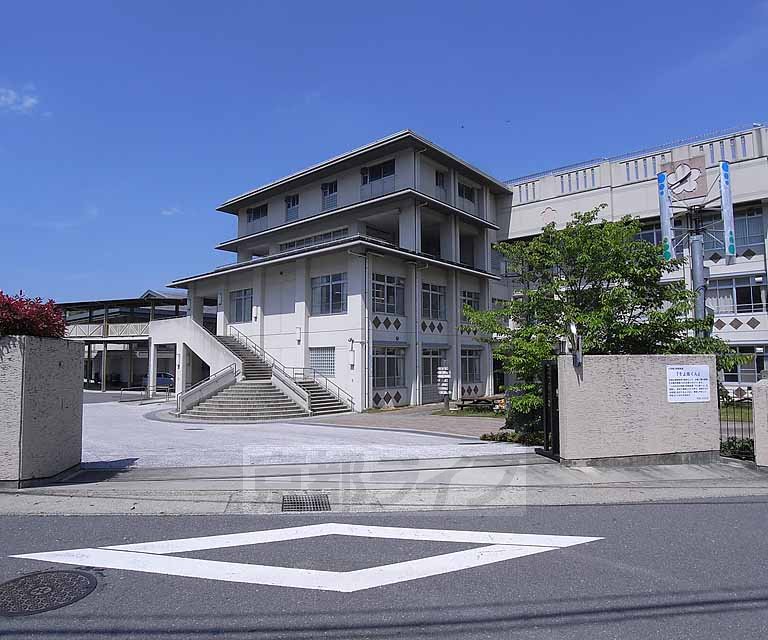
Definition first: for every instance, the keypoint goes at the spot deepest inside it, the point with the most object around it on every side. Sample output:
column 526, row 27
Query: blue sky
column 123, row 124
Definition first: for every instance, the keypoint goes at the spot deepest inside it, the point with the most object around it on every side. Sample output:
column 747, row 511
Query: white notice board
column 688, row 383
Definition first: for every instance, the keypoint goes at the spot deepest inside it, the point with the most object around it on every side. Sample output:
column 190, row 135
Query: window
column 377, row 171
column 711, row 153
column 329, row 294
column 637, row 172
column 645, row 167
column 592, row 172
column 533, row 190
column 498, row 263
column 750, row 371
column 651, row 233
column 257, row 215
column 466, row 192
column 470, row 366
column 388, row 294
column 527, row 196
column 748, row 228
column 328, row 236
column 577, row 181
column 626, row 166
column 440, row 180
column 241, row 305
column 471, row 298
column 722, row 149
column 734, row 295
column 744, row 146
column 562, row 184
column 570, row 188
column 653, row 160
column 291, row 207
column 432, row 301
column 388, row 367
column 733, row 148
column 323, row 360
column 330, row 190
column 431, row 359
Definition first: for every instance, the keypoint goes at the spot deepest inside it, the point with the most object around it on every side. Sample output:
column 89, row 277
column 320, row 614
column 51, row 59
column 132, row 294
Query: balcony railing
column 96, row 330
column 377, row 188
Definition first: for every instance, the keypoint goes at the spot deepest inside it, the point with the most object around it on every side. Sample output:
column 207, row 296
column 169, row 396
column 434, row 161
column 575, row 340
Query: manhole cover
column 306, row 502
column 44, row 591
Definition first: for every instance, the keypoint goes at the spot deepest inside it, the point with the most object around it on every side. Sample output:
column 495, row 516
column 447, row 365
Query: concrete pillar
column 413, row 313
column 410, row 227
column 301, row 311
column 104, row 367
column 151, row 367
column 485, row 304
column 447, row 240
column 222, row 305
column 760, row 419
column 454, row 318
column 130, row 364
column 259, row 302
column 182, row 367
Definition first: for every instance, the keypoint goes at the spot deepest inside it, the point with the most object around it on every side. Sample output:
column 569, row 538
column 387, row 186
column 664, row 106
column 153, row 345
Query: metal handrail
column 279, row 370
column 203, row 382
column 144, row 389
column 337, row 390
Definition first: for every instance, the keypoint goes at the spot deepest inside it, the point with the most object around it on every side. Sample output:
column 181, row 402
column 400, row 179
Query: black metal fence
column 737, row 427
column 550, row 410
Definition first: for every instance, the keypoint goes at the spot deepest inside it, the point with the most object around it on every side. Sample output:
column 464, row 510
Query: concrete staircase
column 321, row 401
column 253, row 399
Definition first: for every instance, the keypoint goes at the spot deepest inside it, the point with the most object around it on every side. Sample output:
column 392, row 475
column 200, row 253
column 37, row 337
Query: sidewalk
column 396, row 485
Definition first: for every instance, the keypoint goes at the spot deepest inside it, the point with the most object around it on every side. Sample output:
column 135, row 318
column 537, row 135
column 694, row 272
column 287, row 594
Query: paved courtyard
column 120, row 435
column 415, row 418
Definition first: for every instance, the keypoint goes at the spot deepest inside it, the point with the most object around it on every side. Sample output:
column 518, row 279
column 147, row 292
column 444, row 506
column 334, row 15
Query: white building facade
column 359, row 267
column 736, row 293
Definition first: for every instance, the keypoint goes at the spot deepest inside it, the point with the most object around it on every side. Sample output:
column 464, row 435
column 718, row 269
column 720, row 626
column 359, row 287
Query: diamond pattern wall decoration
column 387, row 397
column 753, row 323
column 397, row 397
column 387, row 323
column 376, row 399
column 719, row 324
column 397, row 324
column 748, row 254
column 736, row 323
column 376, row 322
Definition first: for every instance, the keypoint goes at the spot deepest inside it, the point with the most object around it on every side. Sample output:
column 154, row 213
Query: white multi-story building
column 626, row 184
column 358, row 268
column 355, row 270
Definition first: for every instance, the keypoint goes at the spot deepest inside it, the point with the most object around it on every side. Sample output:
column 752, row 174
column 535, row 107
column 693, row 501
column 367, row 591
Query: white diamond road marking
column 151, row 557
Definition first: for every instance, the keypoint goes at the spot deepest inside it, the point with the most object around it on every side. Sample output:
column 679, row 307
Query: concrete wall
column 41, row 407
column 760, row 418
column 616, row 407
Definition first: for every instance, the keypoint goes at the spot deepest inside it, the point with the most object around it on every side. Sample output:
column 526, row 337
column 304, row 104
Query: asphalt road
column 676, row 570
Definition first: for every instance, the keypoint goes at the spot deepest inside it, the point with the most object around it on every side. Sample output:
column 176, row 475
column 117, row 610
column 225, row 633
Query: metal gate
column 737, row 427
column 550, row 410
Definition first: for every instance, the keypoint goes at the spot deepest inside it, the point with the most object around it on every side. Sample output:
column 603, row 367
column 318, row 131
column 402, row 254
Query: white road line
column 153, row 557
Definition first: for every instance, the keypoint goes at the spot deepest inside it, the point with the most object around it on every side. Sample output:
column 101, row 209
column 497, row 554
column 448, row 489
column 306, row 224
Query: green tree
column 598, row 276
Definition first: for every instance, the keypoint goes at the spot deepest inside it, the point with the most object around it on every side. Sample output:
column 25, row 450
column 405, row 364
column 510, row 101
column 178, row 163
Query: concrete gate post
column 760, row 421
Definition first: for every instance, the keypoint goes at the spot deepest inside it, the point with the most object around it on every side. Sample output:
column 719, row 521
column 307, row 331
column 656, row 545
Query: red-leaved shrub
column 21, row 316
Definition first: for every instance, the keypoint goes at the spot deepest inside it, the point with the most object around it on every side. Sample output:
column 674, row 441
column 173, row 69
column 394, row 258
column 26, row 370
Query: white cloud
column 23, row 101
column 170, row 211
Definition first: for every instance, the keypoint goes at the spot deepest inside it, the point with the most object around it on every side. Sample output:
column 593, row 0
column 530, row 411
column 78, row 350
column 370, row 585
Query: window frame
column 471, row 366
column 324, row 291
column 433, row 293
column 243, row 298
column 388, row 294
column 392, row 359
